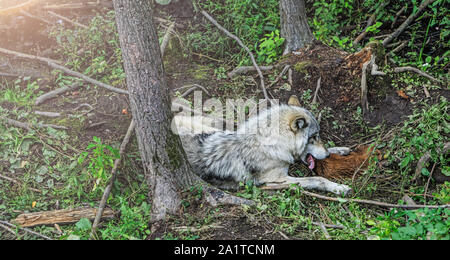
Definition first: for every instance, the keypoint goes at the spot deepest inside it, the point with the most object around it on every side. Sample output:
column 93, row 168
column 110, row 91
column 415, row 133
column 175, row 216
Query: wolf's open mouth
column 311, row 161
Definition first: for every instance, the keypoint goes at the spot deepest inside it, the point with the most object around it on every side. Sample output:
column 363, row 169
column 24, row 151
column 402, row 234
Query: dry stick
column 8, row 229
column 28, row 126
column 68, row 20
column 324, row 230
column 244, row 47
column 17, row 7
column 107, row 191
column 47, row 114
column 375, row 71
column 36, row 17
column 406, row 23
column 18, row 183
column 426, row 158
column 398, row 48
column 286, row 68
column 407, row 68
column 166, row 38
column 53, row 64
column 25, row 229
column 55, row 93
column 364, row 102
column 317, row 91
column 397, row 15
column 328, row 225
column 71, row 6
column 368, row 202
column 428, row 183
column 364, row 33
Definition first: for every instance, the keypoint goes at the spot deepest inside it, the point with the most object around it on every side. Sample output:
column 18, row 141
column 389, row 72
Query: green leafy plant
column 270, row 47
column 101, row 158
column 422, row 224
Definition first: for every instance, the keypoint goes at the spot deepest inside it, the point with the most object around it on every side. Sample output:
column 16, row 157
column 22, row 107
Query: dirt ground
column 340, row 93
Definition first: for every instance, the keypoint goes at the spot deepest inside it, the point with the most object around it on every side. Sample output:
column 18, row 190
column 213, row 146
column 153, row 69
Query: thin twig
column 53, row 64
column 8, row 229
column 16, row 8
column 246, row 69
column 17, row 182
column 364, row 32
column 364, row 102
column 428, row 183
column 397, row 15
column 68, row 20
column 406, row 23
column 36, row 17
column 25, row 229
column 324, row 230
column 213, row 21
column 166, row 38
column 408, row 68
column 286, row 68
column 316, row 93
column 342, row 200
column 108, row 189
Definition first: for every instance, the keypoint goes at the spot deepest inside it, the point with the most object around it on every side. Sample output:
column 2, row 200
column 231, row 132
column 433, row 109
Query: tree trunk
column 165, row 165
column 294, row 25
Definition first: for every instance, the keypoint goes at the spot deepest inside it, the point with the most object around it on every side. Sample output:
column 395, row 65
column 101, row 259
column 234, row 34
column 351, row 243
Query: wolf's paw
column 339, row 150
column 344, row 190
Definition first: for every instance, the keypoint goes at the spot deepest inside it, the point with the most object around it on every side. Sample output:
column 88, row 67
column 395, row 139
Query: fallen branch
column 16, row 8
column 55, row 93
column 213, row 21
column 397, row 15
column 423, row 161
column 406, row 23
column 53, row 64
column 374, row 71
column 25, row 229
column 28, row 126
column 398, row 48
column 407, row 68
column 285, row 69
column 166, row 38
column 316, row 93
column 17, row 182
column 68, row 20
column 364, row 102
column 108, row 189
column 342, row 200
column 65, row 216
column 364, row 33
column 36, row 17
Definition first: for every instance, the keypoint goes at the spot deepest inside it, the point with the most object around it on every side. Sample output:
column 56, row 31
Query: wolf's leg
column 318, row 183
column 339, row 150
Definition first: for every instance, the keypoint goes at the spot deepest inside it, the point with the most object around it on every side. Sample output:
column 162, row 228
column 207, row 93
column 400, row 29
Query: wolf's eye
column 313, row 138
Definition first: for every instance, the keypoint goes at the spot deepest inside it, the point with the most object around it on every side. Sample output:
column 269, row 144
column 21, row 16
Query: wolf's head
column 306, row 131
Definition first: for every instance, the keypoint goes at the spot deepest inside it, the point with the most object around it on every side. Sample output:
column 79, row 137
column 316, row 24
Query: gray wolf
column 260, row 150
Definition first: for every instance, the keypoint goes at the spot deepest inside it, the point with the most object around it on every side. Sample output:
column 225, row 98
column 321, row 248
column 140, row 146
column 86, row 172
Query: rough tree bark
column 165, row 164
column 166, row 168
column 294, row 25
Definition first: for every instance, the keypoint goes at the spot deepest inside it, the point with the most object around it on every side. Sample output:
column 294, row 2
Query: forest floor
column 41, row 169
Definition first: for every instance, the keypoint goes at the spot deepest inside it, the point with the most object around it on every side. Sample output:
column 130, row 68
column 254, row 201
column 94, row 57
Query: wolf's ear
column 293, row 101
column 298, row 123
